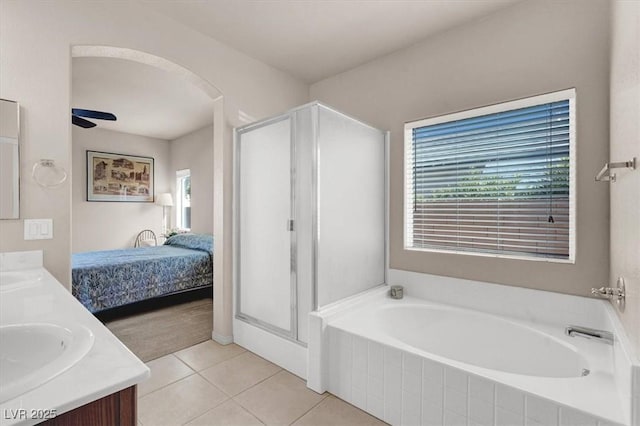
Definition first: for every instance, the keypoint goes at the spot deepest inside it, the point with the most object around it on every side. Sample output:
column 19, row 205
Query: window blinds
column 493, row 183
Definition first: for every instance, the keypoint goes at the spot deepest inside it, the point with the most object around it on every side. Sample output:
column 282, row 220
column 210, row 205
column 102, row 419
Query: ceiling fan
column 77, row 114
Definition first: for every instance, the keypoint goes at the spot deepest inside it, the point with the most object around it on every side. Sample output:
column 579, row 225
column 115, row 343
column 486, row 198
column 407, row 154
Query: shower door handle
column 290, row 225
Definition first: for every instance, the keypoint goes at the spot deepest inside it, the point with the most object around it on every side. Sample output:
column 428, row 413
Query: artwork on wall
column 119, row 177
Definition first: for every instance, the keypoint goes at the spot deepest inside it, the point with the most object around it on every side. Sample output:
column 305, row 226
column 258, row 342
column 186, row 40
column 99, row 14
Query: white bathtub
column 416, row 361
column 476, row 339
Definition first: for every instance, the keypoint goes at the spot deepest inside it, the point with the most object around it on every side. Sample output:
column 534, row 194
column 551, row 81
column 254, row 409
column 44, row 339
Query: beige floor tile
column 179, row 402
column 240, row 373
column 164, row 370
column 208, row 353
column 334, row 411
column 279, row 400
column 226, row 414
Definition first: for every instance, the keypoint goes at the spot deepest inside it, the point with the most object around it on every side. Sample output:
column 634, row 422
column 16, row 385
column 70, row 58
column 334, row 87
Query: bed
column 108, row 279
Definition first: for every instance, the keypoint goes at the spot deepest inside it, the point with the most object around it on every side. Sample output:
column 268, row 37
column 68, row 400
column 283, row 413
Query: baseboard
column 223, row 340
column 280, row 351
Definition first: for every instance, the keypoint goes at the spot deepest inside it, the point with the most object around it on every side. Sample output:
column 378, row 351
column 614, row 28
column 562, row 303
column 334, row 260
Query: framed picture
column 119, row 177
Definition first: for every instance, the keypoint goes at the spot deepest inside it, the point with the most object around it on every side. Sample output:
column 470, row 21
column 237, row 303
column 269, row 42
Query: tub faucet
column 589, row 333
column 396, row 292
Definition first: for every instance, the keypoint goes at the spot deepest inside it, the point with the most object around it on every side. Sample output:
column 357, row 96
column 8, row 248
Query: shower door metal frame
column 291, row 334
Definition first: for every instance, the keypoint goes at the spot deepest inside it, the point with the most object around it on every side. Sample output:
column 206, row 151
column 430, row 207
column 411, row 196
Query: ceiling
column 315, row 39
column 147, row 100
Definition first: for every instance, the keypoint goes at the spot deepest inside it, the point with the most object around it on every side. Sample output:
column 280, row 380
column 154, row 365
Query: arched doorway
column 222, row 261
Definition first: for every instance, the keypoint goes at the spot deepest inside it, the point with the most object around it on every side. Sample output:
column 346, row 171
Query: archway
column 222, row 331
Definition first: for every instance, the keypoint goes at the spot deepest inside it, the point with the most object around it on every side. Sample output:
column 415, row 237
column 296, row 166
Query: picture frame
column 113, row 177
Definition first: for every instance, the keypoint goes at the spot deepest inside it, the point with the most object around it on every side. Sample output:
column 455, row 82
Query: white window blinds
column 493, row 180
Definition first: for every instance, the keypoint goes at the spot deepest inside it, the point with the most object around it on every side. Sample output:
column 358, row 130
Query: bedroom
column 393, row 65
column 163, row 124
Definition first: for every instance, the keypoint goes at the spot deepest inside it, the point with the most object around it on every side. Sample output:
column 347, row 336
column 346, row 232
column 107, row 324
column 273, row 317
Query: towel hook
column 605, row 174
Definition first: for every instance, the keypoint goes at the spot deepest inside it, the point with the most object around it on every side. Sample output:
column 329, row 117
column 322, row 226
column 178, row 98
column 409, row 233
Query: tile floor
column 209, row 384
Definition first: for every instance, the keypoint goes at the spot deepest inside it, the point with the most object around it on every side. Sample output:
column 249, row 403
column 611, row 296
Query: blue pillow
column 202, row 242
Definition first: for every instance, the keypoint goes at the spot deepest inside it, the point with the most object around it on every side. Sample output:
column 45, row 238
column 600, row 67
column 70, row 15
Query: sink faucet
column 589, row 333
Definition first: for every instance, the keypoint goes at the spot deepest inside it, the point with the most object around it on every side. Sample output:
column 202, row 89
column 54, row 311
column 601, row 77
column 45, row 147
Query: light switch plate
column 38, row 229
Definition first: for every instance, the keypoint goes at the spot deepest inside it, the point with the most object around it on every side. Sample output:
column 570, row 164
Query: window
column 183, row 195
column 496, row 180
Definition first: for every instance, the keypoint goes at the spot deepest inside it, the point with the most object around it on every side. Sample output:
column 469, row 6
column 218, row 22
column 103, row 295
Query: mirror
column 9, row 159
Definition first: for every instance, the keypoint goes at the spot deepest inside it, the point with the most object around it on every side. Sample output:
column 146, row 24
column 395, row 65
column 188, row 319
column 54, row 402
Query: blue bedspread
column 111, row 278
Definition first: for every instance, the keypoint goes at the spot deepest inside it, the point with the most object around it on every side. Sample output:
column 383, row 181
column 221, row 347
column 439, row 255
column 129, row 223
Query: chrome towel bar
column 605, row 174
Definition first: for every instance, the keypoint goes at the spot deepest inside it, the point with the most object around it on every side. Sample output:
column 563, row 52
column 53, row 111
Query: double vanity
column 58, row 363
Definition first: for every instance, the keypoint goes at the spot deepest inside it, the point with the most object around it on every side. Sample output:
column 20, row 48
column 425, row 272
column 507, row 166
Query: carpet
column 160, row 332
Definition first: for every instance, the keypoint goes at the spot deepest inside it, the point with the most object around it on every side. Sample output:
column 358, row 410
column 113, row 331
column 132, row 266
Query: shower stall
column 310, row 224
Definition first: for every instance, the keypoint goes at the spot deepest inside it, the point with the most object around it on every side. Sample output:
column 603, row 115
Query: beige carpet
column 153, row 334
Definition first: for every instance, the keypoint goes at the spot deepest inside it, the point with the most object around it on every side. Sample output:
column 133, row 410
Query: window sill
column 570, row 261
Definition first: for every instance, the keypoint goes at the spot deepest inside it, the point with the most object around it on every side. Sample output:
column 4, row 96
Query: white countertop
column 107, row 368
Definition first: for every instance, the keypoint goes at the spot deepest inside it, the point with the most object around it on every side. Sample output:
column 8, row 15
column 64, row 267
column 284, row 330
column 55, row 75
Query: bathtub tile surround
column 444, row 395
column 480, row 411
column 482, row 389
column 392, row 384
column 509, row 399
column 508, row 418
column 571, row 417
column 541, row 411
column 421, row 386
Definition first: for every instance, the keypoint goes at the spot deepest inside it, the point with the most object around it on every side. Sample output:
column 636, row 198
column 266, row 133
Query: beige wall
column 624, row 145
column 530, row 48
column 9, row 128
column 9, row 119
column 36, row 39
column 194, row 151
column 107, row 225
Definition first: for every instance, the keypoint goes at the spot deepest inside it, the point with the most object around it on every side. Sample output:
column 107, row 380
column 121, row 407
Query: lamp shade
column 165, row 199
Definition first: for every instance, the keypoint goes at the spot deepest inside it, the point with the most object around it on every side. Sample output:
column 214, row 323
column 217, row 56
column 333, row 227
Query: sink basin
column 32, row 354
column 14, row 279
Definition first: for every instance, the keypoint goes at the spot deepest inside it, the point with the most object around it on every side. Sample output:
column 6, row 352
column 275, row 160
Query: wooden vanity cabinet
column 117, row 409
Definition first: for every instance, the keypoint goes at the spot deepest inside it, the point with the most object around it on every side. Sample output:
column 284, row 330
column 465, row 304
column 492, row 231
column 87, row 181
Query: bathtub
column 475, row 339
column 423, row 362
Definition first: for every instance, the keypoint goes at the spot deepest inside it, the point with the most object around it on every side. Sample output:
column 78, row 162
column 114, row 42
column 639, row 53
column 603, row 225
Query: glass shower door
column 266, row 270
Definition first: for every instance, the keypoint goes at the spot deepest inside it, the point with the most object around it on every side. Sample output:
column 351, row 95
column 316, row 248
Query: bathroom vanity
column 58, row 363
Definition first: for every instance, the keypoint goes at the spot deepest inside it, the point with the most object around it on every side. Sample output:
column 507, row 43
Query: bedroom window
column 497, row 180
column 183, row 196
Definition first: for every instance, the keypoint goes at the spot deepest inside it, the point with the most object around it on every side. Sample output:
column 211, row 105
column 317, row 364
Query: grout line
column 250, row 387
column 250, row 413
column 208, row 366
column 324, row 396
column 164, row 386
column 206, row 411
column 254, row 385
column 179, row 359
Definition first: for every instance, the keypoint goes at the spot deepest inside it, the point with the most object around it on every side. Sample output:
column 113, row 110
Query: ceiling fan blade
column 85, row 124
column 93, row 114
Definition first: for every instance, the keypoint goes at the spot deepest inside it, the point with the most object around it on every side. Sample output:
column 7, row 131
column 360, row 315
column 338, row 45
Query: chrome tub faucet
column 589, row 333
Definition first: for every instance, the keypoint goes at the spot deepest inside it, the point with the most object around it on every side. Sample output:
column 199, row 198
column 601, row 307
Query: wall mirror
column 9, row 159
